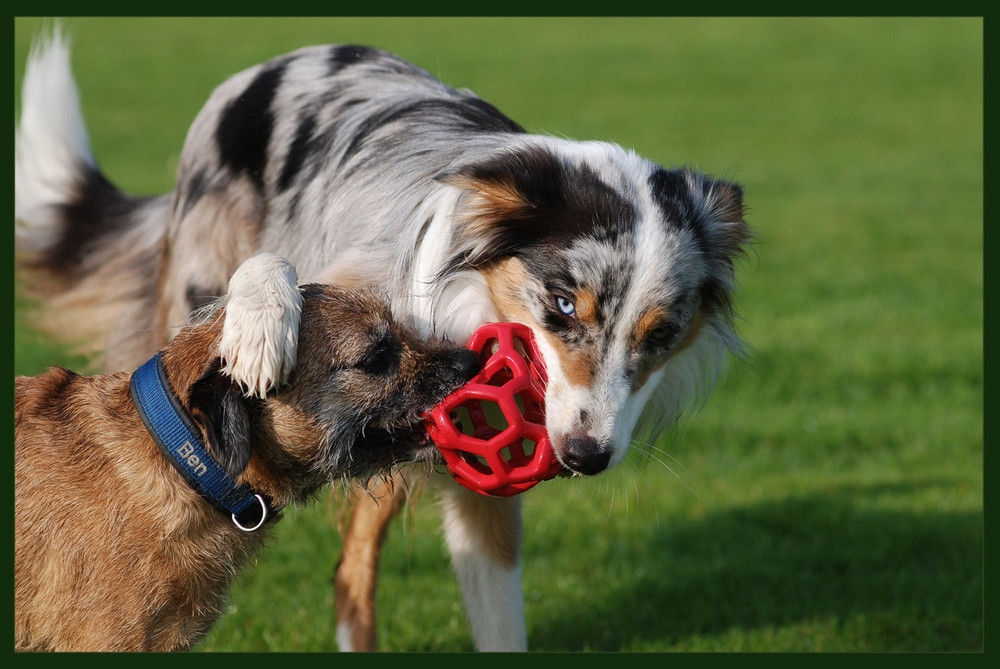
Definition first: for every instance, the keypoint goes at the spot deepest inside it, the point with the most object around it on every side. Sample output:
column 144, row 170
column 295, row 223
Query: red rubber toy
column 491, row 431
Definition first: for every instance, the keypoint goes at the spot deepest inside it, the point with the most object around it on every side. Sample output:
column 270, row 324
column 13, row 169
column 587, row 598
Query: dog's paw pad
column 261, row 329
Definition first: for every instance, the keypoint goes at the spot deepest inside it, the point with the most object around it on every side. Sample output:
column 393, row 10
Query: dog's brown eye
column 661, row 334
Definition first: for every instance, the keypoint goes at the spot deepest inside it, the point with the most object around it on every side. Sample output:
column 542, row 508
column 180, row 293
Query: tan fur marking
column 578, row 366
column 357, row 569
column 493, row 201
column 649, row 321
column 696, row 325
column 586, row 306
column 505, row 280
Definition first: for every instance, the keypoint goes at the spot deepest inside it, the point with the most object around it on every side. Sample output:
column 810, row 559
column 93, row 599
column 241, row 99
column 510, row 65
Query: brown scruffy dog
column 285, row 389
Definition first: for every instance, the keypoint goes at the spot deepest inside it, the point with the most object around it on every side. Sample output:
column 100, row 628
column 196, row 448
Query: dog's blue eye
column 565, row 306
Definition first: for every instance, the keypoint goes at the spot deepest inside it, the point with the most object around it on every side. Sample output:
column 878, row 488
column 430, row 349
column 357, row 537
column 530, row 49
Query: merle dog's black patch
column 243, row 134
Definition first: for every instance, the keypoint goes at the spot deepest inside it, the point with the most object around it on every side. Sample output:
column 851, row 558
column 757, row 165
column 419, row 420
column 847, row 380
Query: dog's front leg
column 484, row 537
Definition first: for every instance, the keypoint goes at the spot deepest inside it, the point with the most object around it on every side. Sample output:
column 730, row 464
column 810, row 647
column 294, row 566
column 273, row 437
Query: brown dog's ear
column 219, row 406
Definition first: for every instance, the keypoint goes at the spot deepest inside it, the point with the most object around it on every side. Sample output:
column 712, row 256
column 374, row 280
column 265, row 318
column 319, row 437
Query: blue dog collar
column 178, row 438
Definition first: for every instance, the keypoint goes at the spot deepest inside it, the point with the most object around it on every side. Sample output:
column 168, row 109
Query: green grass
column 830, row 496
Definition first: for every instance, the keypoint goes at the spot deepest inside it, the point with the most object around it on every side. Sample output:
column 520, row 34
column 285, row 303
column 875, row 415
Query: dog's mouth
column 406, row 443
column 421, row 439
column 424, row 448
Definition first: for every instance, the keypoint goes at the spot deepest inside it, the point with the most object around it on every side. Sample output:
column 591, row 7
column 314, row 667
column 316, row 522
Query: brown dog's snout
column 466, row 364
column 583, row 454
column 445, row 371
column 451, row 368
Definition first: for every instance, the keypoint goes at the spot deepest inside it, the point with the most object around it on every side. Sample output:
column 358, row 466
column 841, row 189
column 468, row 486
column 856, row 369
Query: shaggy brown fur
column 114, row 550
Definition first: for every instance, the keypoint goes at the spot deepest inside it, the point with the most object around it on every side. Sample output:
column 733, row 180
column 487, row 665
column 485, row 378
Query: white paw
column 261, row 332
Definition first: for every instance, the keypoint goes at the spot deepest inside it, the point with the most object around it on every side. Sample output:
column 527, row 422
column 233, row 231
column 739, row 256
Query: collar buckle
column 260, row 522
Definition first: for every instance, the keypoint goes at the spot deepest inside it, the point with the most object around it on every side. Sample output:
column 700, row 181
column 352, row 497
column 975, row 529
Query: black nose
column 466, row 365
column 584, row 455
column 454, row 367
column 446, row 371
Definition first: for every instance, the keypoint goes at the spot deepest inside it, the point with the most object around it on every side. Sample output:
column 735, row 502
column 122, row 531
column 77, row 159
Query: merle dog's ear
column 218, row 404
column 507, row 188
column 526, row 198
column 503, row 198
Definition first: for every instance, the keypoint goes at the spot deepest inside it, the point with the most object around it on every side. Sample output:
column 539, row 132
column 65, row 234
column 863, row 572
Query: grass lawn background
column 829, row 496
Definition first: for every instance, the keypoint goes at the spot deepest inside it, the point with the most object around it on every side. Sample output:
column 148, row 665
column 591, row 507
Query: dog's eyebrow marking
column 245, row 126
column 651, row 319
column 588, row 308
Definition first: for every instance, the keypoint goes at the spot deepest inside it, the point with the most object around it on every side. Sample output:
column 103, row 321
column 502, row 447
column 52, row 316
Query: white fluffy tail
column 90, row 252
column 51, row 144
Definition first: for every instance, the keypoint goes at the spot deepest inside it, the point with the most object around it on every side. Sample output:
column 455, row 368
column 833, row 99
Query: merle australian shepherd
column 362, row 169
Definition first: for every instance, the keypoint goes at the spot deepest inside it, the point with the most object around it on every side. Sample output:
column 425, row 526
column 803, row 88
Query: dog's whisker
column 648, row 448
column 628, row 504
column 694, row 492
column 638, row 470
column 611, row 502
